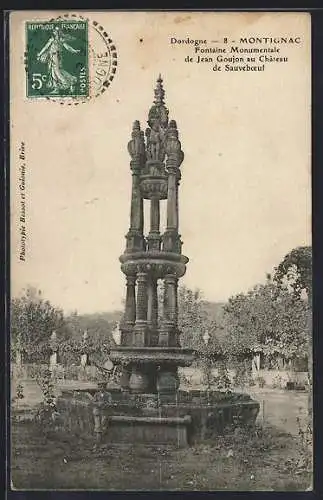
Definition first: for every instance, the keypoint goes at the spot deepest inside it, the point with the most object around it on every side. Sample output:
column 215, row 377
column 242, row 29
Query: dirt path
column 281, row 408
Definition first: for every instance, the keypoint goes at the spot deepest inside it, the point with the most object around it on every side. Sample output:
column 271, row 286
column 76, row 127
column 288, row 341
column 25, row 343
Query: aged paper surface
column 238, row 86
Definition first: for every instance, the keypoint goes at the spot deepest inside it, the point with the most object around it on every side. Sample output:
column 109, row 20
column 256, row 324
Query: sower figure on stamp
column 51, row 54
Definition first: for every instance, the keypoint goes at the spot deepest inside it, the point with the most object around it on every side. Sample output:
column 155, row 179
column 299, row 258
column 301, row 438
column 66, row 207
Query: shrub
column 19, row 392
column 260, row 381
column 277, row 382
column 46, row 414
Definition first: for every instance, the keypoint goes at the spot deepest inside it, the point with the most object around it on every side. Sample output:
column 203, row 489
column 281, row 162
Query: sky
column 245, row 190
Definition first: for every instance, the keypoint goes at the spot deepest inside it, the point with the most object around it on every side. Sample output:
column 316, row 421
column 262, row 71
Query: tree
column 98, row 342
column 199, row 331
column 295, row 272
column 267, row 318
column 33, row 319
column 193, row 321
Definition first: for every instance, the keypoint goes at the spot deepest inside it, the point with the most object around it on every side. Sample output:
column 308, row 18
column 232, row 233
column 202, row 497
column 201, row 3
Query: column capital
column 135, row 167
column 142, row 276
column 172, row 169
column 131, row 279
column 171, row 279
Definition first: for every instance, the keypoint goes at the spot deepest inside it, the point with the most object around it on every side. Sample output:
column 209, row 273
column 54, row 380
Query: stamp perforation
column 99, row 53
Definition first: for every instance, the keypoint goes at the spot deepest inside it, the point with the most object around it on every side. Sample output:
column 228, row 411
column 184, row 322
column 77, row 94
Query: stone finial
column 158, row 113
column 136, row 146
column 159, row 92
column 173, row 146
column 157, row 122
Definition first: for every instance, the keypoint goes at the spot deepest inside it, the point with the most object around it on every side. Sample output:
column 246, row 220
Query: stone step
column 148, row 430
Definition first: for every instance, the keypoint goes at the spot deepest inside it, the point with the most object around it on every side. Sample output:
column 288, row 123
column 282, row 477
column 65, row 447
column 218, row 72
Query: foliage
column 99, row 340
column 295, row 271
column 33, row 320
column 45, row 381
column 277, row 382
column 47, row 412
column 194, row 322
column 269, row 318
column 19, row 395
column 242, row 374
column 260, row 381
column 19, row 392
column 222, row 380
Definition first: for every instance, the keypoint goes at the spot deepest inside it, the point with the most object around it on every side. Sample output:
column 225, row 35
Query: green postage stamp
column 57, row 59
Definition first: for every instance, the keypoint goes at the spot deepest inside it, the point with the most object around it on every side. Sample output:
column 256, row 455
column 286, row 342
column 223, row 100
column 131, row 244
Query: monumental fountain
column 149, row 406
column 150, row 348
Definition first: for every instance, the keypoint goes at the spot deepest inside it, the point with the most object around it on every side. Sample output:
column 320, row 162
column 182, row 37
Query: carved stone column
column 129, row 317
column 152, row 315
column 168, row 330
column 154, row 238
column 154, row 215
column 171, row 239
column 141, row 311
column 177, row 203
column 136, row 148
column 135, row 238
column 171, row 282
column 154, row 306
column 176, row 340
column 136, row 212
column 172, row 224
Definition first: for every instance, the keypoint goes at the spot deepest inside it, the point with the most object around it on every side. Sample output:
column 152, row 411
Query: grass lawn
column 264, row 459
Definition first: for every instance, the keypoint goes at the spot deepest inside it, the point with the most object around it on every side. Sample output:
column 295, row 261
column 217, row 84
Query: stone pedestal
column 138, row 381
column 167, row 380
column 125, row 378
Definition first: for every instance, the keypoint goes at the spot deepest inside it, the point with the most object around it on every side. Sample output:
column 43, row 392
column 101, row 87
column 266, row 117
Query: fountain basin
column 155, row 355
column 179, row 419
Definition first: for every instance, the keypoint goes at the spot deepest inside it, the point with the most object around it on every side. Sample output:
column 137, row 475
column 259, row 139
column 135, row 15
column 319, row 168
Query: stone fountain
column 149, row 405
column 150, row 349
